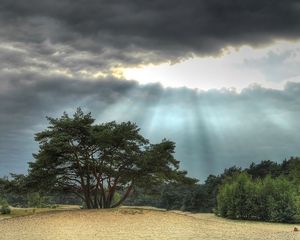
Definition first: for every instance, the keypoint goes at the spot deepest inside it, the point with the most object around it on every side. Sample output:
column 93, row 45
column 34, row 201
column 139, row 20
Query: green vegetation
column 106, row 165
column 5, row 209
column 36, row 200
column 268, row 199
column 98, row 163
column 265, row 191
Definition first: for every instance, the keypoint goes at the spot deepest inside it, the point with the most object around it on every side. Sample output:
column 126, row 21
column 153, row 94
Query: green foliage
column 5, row 209
column 280, row 197
column 117, row 197
column 268, row 199
column 34, row 200
column 3, row 183
column 145, row 196
column 198, row 200
column 172, row 196
column 291, row 169
column 15, row 190
column 37, row 200
column 263, row 169
column 95, row 161
column 203, row 197
column 103, row 165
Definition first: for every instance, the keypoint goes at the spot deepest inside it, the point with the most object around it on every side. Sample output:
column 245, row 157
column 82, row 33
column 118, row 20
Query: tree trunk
column 88, row 202
column 95, row 204
column 124, row 197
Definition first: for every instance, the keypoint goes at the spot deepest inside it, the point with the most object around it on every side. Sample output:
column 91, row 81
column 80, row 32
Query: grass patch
column 19, row 212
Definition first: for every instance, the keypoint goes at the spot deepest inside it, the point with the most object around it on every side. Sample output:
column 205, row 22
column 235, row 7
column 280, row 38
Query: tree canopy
column 96, row 161
column 268, row 199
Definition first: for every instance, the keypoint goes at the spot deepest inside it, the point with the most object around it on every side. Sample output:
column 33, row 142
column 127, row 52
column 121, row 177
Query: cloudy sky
column 221, row 78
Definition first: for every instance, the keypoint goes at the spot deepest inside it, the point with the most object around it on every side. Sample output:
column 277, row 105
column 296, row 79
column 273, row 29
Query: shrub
column 38, row 201
column 172, row 196
column 269, row 199
column 235, row 198
column 5, row 209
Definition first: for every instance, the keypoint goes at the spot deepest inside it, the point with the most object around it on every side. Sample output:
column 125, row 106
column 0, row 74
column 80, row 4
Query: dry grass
column 18, row 212
column 128, row 223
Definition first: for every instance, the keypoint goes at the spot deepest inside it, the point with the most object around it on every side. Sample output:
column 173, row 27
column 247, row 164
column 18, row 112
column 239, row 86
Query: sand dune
column 137, row 224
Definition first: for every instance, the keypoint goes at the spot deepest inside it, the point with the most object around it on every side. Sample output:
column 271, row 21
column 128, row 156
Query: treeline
column 109, row 164
column 15, row 192
column 267, row 191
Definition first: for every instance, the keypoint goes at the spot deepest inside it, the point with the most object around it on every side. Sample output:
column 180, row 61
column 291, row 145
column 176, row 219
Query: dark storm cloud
column 132, row 32
column 51, row 53
column 213, row 129
column 26, row 98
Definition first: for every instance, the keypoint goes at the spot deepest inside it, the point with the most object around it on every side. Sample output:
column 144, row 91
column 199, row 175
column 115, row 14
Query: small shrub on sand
column 4, row 207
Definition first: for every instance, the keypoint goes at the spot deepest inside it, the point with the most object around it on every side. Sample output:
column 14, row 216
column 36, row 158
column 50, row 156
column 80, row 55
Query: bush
column 172, row 197
column 198, row 199
column 235, row 198
column 283, row 205
column 269, row 199
column 38, row 201
column 5, row 209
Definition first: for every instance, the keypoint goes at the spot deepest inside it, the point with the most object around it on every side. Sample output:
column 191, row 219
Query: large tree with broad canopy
column 96, row 161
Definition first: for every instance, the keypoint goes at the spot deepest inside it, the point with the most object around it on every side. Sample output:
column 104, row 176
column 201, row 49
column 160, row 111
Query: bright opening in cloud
column 269, row 67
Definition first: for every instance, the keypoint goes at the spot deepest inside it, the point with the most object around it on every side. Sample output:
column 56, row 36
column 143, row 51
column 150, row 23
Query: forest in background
column 267, row 191
column 111, row 164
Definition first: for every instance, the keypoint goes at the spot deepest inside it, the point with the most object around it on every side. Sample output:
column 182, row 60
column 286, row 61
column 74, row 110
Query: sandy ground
column 134, row 224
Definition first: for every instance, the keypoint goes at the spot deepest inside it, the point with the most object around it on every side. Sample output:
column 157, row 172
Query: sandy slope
column 137, row 224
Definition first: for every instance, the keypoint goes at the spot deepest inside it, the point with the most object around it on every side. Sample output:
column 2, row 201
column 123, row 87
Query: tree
column 95, row 161
column 266, row 199
column 198, row 199
column 279, row 196
column 263, row 169
column 3, row 183
column 212, row 184
column 235, row 198
column 173, row 196
column 15, row 189
column 291, row 169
